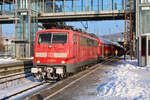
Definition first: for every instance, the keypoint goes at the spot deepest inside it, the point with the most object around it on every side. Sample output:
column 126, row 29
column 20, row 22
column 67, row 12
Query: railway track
column 14, row 77
column 38, row 85
column 7, row 70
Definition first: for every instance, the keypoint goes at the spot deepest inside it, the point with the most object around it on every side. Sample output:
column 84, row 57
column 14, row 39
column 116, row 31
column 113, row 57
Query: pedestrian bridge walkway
column 64, row 10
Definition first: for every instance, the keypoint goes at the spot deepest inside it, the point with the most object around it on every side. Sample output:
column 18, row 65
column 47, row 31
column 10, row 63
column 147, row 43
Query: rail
column 15, row 68
column 13, row 79
column 23, row 91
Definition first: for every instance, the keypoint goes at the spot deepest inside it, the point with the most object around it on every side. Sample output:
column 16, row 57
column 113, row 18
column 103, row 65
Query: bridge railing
column 7, row 8
column 56, row 6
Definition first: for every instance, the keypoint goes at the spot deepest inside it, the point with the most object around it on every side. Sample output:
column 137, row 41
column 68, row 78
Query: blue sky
column 101, row 27
column 8, row 30
column 97, row 27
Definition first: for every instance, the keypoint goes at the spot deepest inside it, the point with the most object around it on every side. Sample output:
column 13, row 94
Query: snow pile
column 8, row 60
column 127, row 80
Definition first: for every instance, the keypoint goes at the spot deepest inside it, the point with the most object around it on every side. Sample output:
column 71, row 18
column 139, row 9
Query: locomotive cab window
column 59, row 38
column 54, row 38
column 44, row 38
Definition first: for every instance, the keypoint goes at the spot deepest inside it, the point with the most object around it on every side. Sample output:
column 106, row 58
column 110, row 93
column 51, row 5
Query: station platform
column 117, row 80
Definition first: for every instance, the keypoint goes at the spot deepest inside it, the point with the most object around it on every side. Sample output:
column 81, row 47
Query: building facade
column 143, row 31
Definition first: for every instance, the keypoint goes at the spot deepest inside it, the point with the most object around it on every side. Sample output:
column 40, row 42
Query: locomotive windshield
column 52, row 38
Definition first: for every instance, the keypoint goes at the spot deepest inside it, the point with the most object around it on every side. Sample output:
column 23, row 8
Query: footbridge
column 64, row 10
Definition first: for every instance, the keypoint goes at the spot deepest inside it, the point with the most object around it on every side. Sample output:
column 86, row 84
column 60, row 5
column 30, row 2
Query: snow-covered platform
column 122, row 80
column 8, row 61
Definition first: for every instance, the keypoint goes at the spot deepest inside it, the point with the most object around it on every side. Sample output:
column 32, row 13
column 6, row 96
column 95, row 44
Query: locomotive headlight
column 63, row 62
column 38, row 61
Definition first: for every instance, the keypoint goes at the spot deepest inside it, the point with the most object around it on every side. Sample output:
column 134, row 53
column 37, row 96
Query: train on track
column 59, row 52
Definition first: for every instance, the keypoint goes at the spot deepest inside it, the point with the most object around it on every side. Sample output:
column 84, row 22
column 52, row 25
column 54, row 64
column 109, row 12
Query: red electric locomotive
column 58, row 52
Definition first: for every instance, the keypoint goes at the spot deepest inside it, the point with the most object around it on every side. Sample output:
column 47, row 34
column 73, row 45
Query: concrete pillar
column 28, row 45
column 53, row 6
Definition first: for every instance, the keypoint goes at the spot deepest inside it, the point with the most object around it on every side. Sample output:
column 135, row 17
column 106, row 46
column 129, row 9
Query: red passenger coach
column 58, row 52
column 100, row 49
column 106, row 49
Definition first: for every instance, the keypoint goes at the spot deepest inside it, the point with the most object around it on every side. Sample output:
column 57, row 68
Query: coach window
column 85, row 41
column 74, row 39
column 95, row 43
column 88, row 42
column 92, row 43
column 81, row 40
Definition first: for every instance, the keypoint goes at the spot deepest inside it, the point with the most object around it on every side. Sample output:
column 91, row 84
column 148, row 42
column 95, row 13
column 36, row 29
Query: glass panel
column 60, row 38
column 81, row 5
column 68, row 6
column 22, row 4
column 49, row 6
column 144, row 20
column 44, row 38
column 144, row 1
column 143, row 46
column 59, row 6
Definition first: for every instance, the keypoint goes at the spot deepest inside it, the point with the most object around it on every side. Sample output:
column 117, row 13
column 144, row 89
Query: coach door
column 102, row 48
column 148, row 50
column 145, row 50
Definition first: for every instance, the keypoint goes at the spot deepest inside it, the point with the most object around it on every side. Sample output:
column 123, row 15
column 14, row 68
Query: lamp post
column 130, row 31
column 125, row 33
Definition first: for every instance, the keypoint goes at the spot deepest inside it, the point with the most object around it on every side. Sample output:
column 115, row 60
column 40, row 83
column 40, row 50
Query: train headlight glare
column 63, row 62
column 38, row 61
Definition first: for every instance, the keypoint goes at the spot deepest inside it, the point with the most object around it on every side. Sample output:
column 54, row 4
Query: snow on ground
column 8, row 60
column 9, row 88
column 128, row 81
